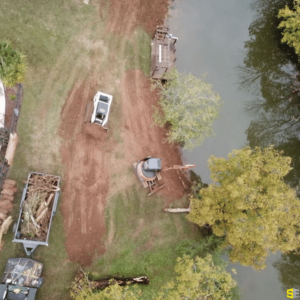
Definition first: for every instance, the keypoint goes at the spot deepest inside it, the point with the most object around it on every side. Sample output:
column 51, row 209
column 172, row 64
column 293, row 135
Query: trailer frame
column 31, row 245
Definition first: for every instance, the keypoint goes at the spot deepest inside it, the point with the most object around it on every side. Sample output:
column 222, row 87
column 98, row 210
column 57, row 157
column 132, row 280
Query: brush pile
column 37, row 206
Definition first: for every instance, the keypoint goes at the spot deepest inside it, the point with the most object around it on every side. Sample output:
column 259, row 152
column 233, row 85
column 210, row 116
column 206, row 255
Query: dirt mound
column 126, row 15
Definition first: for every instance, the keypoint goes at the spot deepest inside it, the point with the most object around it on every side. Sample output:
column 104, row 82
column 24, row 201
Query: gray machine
column 148, row 171
column 21, row 279
column 31, row 244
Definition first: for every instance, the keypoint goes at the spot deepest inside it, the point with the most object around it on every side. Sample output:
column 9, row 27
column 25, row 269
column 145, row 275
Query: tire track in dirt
column 86, row 178
column 90, row 157
column 126, row 15
column 141, row 138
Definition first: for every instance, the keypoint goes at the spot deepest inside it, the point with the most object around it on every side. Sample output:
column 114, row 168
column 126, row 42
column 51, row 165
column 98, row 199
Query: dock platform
column 162, row 52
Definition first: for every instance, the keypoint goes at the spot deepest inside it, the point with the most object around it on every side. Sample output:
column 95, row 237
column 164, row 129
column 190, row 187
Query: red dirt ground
column 86, row 178
column 142, row 138
column 124, row 16
column 87, row 152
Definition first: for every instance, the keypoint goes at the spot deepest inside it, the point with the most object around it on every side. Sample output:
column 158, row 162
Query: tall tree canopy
column 12, row 64
column 250, row 205
column 190, row 105
column 291, row 26
column 199, row 279
column 113, row 292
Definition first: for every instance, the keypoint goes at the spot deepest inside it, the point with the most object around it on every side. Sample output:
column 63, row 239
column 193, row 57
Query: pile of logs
column 7, row 197
column 37, row 206
column 6, row 204
column 82, row 281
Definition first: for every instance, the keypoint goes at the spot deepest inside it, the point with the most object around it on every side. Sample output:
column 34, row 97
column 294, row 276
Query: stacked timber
column 6, row 204
column 7, row 197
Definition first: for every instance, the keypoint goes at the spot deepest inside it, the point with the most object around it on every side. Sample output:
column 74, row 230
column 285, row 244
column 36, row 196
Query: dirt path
column 141, row 137
column 86, row 178
column 126, row 15
column 89, row 154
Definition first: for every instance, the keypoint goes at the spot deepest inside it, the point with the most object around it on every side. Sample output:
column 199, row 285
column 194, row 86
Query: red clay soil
column 86, row 178
column 87, row 149
column 86, row 157
column 124, row 16
column 142, row 138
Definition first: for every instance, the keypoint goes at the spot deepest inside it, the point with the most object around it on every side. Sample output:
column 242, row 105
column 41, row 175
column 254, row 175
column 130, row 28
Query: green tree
column 291, row 26
column 189, row 105
column 199, row 279
column 82, row 290
column 250, row 205
column 12, row 64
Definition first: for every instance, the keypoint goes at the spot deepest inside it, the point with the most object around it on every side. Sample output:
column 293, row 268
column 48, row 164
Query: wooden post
column 177, row 210
column 11, row 148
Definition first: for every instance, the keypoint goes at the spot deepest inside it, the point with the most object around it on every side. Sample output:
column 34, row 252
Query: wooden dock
column 162, row 52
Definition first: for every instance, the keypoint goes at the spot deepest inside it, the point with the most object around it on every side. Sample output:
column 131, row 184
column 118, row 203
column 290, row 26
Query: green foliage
column 140, row 245
column 250, row 205
column 82, row 291
column 190, row 105
column 291, row 26
column 4, row 136
column 210, row 245
column 12, row 64
column 199, row 279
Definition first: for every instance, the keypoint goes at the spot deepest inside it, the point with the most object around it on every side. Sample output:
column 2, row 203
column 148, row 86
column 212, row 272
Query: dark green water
column 238, row 46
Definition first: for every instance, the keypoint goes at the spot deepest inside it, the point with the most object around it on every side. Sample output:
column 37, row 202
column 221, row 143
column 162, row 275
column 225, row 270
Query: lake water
column 212, row 35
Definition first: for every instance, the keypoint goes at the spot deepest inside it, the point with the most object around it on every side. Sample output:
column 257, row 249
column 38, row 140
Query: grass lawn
column 58, row 38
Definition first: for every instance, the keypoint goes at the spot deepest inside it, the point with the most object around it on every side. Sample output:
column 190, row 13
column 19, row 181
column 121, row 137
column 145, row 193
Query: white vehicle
column 102, row 103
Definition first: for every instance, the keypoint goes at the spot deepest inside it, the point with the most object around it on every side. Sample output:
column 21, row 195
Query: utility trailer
column 21, row 279
column 37, row 208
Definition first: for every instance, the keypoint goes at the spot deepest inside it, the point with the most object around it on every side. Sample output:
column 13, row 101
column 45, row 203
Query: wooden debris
column 7, row 206
column 40, row 216
column 10, row 182
column 7, row 186
column 37, row 207
column 2, row 216
column 8, row 192
column 4, row 228
column 6, row 197
column 5, row 203
column 177, row 210
column 82, row 280
column 11, row 148
column 3, row 211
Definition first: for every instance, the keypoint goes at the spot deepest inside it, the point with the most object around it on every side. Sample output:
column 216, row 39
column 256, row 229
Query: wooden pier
column 162, row 52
